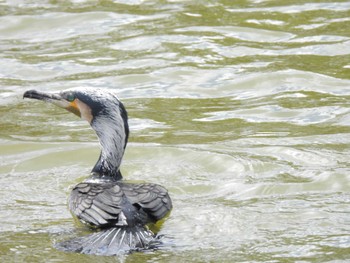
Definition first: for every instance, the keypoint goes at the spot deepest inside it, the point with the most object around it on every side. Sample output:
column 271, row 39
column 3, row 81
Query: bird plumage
column 120, row 210
column 118, row 203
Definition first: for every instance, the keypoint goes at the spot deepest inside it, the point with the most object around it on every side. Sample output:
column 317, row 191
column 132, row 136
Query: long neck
column 112, row 132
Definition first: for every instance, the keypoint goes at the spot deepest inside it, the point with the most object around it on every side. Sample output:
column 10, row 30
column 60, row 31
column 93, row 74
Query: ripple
column 58, row 26
column 294, row 9
column 137, row 124
column 336, row 49
column 274, row 113
column 242, row 33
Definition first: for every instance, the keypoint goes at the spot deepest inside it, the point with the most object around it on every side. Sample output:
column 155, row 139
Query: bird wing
column 152, row 198
column 97, row 204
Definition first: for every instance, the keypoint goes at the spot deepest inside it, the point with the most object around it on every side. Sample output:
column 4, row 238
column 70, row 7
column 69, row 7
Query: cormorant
column 120, row 211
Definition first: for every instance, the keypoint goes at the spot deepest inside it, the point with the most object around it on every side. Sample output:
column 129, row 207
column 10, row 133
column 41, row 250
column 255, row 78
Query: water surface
column 240, row 109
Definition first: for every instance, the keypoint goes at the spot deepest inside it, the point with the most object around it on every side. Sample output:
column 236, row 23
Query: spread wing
column 97, row 204
column 151, row 198
column 119, row 204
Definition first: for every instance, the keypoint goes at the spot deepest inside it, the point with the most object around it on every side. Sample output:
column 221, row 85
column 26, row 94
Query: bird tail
column 112, row 241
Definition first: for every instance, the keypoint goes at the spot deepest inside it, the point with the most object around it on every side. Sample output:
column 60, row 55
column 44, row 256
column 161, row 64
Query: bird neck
column 112, row 133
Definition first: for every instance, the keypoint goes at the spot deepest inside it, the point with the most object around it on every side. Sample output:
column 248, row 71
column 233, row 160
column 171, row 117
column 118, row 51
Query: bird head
column 106, row 115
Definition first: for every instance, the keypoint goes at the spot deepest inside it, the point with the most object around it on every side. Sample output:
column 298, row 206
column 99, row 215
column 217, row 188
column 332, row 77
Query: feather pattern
column 121, row 210
column 106, row 204
column 112, row 241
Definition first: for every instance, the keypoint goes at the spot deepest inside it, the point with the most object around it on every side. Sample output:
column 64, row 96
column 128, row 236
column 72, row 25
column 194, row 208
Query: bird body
column 119, row 210
column 112, row 206
column 118, row 204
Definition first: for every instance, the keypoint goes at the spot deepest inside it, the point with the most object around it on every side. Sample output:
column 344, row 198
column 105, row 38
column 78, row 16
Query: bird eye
column 70, row 97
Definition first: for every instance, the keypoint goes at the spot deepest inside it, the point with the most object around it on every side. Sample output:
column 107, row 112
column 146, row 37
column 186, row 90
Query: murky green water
column 240, row 108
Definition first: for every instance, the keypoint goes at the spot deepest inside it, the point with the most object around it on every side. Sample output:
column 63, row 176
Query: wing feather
column 152, row 198
column 96, row 204
column 116, row 204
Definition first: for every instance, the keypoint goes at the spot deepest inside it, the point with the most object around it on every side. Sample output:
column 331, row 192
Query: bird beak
column 54, row 98
column 33, row 94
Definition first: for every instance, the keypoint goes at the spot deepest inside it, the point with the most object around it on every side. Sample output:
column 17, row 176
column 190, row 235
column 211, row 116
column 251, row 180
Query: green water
column 239, row 108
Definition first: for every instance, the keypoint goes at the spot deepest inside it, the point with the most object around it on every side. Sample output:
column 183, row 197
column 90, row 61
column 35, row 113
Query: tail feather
column 112, row 241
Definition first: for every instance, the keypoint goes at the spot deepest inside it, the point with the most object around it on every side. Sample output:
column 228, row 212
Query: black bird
column 120, row 211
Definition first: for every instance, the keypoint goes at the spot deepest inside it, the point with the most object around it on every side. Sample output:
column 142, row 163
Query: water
column 240, row 109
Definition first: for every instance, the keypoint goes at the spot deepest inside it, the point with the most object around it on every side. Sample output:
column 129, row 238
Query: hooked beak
column 54, row 98
column 33, row 94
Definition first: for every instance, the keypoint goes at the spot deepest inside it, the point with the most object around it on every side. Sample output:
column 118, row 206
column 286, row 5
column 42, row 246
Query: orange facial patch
column 74, row 108
column 80, row 109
